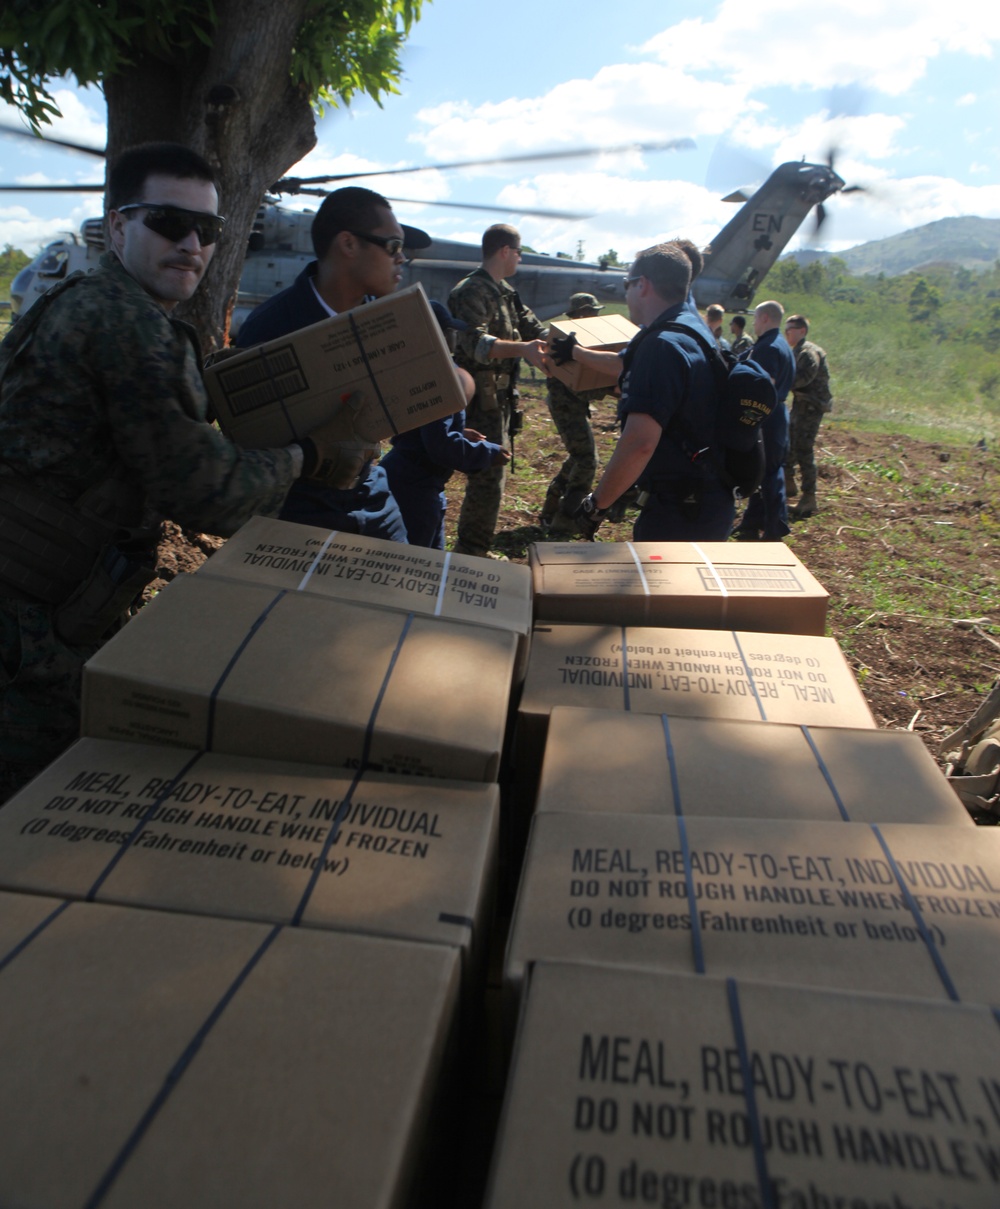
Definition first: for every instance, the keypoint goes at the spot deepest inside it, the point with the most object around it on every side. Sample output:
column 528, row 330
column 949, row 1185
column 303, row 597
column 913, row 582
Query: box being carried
column 610, row 333
column 247, row 670
column 371, row 570
column 405, row 857
column 704, row 585
column 635, row 1089
column 179, row 1062
column 892, row 908
column 384, row 367
column 601, row 762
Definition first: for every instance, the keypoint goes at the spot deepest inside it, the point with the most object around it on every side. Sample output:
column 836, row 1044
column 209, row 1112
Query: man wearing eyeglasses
column 500, row 330
column 359, row 255
column 103, row 430
column 668, row 412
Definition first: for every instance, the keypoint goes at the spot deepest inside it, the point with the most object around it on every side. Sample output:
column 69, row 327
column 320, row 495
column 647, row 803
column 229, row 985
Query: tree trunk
column 235, row 104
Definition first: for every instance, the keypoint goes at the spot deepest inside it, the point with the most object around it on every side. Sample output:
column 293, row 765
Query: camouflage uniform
column 99, row 385
column 571, row 415
column 490, row 308
column 811, row 401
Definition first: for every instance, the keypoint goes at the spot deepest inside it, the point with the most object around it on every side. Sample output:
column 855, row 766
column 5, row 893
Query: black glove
column 561, row 348
column 588, row 517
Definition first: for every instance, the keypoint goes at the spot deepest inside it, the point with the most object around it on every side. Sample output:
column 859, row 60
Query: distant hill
column 973, row 243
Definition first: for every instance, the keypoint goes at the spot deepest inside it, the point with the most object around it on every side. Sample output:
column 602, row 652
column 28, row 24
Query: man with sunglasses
column 359, row 255
column 103, row 431
column 500, row 330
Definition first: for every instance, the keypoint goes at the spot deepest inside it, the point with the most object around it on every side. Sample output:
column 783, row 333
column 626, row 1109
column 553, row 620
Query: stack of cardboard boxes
column 286, row 801
column 754, row 948
column 753, row 953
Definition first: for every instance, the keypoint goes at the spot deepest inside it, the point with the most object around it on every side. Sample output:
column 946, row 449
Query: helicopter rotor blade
column 52, row 188
column 293, row 184
column 18, row 132
column 415, row 201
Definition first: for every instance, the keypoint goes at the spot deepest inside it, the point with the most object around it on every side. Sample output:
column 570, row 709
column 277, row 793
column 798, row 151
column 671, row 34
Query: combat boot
column 564, row 526
column 550, row 505
column 791, row 487
column 805, row 507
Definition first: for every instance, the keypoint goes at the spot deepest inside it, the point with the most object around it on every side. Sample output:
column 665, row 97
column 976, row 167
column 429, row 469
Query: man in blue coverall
column 359, row 255
column 668, row 410
column 766, row 515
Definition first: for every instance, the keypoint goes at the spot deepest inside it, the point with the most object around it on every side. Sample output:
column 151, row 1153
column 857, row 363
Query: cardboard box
column 609, row 332
column 628, row 1089
column 405, row 857
column 370, row 570
column 897, row 909
column 686, row 674
column 707, row 585
column 174, row 1061
column 384, row 367
column 236, row 668
column 598, row 761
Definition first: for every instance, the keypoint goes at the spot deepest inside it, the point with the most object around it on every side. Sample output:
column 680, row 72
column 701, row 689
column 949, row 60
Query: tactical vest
column 82, row 557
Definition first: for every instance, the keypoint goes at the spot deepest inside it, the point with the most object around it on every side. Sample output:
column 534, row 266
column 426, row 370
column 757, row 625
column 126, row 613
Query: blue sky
column 909, row 93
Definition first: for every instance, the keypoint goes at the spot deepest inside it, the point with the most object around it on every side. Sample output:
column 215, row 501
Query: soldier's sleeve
column 528, row 323
column 477, row 304
column 806, row 369
column 150, row 377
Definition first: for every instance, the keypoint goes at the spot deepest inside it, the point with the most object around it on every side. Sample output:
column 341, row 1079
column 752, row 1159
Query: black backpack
column 746, row 398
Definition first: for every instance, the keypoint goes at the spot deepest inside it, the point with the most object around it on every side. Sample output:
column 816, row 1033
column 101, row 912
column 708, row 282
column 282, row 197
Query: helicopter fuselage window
column 54, row 265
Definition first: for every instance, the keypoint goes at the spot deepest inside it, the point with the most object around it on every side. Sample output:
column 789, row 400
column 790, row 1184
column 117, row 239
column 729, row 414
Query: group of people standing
column 668, row 413
column 105, row 423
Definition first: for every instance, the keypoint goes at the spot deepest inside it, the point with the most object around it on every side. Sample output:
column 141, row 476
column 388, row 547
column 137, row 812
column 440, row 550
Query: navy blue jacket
column 295, row 307
column 367, row 508
column 669, row 378
column 773, row 352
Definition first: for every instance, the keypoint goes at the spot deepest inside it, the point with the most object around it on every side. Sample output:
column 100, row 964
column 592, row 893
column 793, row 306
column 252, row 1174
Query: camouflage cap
column 583, row 302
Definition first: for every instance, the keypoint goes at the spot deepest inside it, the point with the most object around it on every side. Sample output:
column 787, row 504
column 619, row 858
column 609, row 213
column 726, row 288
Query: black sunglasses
column 393, row 245
column 632, row 281
column 175, row 223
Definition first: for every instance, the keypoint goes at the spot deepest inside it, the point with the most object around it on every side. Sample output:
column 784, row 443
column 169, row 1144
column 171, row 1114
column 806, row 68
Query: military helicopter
column 280, row 244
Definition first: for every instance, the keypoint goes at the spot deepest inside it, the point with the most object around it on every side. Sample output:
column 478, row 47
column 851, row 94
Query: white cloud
column 625, row 214
column 875, row 135
column 83, row 121
column 970, row 98
column 84, row 117
column 643, row 102
column 887, row 43
column 21, row 229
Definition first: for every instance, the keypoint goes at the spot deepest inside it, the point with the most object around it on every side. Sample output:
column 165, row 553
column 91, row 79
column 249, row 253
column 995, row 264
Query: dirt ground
column 926, row 668
column 923, row 512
